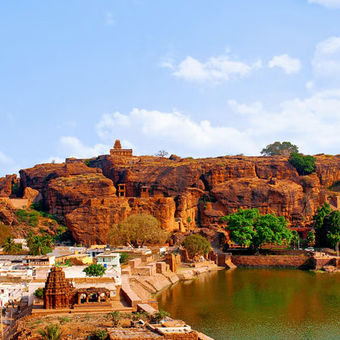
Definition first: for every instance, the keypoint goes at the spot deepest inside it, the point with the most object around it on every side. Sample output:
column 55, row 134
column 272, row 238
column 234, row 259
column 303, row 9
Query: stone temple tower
column 117, row 150
column 57, row 291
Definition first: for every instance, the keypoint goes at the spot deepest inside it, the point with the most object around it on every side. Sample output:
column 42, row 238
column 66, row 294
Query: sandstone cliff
column 181, row 193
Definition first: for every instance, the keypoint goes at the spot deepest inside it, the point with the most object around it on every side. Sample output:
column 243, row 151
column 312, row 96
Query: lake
column 258, row 304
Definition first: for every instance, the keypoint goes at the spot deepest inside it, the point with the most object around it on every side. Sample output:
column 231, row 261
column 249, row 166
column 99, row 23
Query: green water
column 259, row 304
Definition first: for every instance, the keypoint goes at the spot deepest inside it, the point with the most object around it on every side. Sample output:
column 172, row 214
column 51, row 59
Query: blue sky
column 195, row 78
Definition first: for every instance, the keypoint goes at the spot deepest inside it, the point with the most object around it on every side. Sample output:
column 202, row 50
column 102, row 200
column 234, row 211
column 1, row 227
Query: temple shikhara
column 118, row 151
column 63, row 293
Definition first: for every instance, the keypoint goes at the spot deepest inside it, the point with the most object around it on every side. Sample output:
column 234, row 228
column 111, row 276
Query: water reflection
column 259, row 304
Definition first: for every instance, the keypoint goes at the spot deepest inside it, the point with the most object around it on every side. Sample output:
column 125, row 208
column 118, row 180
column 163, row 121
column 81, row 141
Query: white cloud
column 4, row 159
column 109, row 122
column 326, row 60
column 216, row 69
column 73, row 147
column 177, row 132
column 312, row 123
column 109, row 19
column 54, row 160
column 286, row 63
column 245, row 109
column 310, row 85
column 327, row 3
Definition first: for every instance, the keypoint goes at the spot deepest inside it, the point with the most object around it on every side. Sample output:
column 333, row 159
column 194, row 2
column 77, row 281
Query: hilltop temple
column 118, row 151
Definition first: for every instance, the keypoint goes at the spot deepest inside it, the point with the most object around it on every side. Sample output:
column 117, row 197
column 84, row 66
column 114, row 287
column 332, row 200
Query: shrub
column 39, row 293
column 5, row 232
column 95, row 269
column 51, row 332
column 63, row 319
column 304, row 165
column 160, row 315
column 115, row 317
column 99, row 334
column 124, row 258
column 22, row 215
column 141, row 316
column 196, row 245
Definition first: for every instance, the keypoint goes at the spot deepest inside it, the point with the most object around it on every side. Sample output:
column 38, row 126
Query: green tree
column 278, row 148
column 161, row 153
column 95, row 269
column 51, row 332
column 270, row 229
column 322, row 225
column 311, row 238
column 320, row 215
column 39, row 293
column 138, row 229
column 332, row 225
column 294, row 239
column 249, row 228
column 304, row 165
column 196, row 245
column 40, row 245
column 241, row 226
column 10, row 247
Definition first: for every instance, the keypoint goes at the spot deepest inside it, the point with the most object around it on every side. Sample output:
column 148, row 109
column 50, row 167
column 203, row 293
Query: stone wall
column 281, row 261
column 320, row 263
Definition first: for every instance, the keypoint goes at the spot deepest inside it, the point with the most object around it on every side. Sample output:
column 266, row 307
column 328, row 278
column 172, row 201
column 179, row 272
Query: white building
column 111, row 261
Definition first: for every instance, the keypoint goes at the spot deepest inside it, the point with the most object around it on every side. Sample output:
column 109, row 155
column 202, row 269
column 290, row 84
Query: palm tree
column 51, row 332
column 10, row 247
column 29, row 239
column 40, row 245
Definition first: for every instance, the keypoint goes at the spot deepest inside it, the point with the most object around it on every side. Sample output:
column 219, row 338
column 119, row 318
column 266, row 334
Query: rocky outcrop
column 7, row 184
column 7, row 212
column 91, row 222
column 32, row 196
column 64, row 194
column 40, row 175
column 182, row 193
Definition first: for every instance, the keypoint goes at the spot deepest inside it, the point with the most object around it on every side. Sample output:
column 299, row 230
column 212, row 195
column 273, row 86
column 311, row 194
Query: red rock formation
column 6, row 185
column 32, row 196
column 64, row 194
column 183, row 192
column 39, row 176
column 7, row 212
column 91, row 222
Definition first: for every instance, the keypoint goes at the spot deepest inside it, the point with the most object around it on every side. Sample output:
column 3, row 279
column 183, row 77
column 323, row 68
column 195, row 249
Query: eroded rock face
column 40, row 175
column 64, row 194
column 281, row 197
column 7, row 212
column 6, row 185
column 182, row 193
column 91, row 222
column 32, row 196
